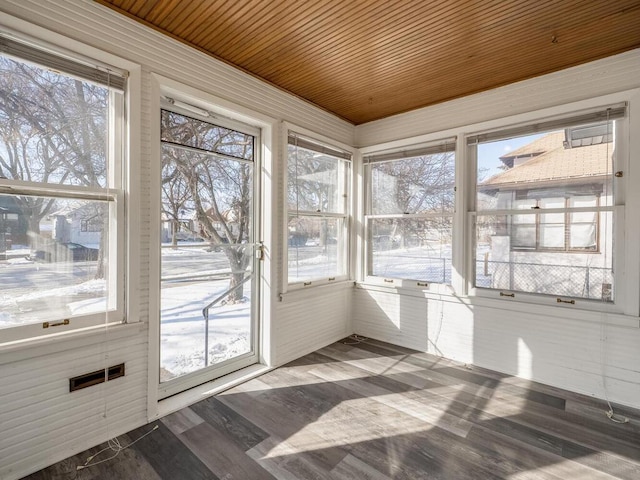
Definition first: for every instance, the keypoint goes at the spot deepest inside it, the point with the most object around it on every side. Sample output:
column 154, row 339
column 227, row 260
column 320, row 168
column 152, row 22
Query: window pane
column 545, row 167
column 193, row 276
column 523, row 236
column 583, row 236
column 191, row 132
column 54, row 128
column 415, row 249
column 50, row 268
column 562, row 253
column 207, row 251
column 423, row 184
column 317, row 182
column 499, row 266
column 551, row 236
column 316, row 248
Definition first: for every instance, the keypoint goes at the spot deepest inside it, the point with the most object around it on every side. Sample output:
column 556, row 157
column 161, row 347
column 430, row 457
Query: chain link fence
column 561, row 280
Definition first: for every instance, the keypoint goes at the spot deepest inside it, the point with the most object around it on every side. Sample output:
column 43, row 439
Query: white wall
column 41, row 422
column 578, row 350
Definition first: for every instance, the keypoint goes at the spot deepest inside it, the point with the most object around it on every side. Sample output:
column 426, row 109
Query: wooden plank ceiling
column 367, row 59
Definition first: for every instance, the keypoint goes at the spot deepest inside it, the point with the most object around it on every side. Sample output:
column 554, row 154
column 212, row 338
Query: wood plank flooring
column 374, row 411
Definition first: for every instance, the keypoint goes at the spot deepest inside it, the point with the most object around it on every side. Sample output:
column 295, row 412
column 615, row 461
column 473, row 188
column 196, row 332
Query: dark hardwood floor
column 377, row 411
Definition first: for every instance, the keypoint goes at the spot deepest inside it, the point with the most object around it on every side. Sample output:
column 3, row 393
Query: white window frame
column 347, row 246
column 393, row 154
column 120, row 177
column 621, row 303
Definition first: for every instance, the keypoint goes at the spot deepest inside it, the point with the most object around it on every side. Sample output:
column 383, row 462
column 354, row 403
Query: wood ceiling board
column 411, row 48
column 343, row 35
column 265, row 40
column 284, row 42
column 367, row 59
column 538, row 46
column 253, row 33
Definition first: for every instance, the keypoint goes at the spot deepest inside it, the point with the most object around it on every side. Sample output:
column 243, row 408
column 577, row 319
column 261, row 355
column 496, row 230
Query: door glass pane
column 207, row 246
column 195, row 274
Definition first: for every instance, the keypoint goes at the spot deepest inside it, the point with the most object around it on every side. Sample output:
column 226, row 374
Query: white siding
column 310, row 321
column 576, row 354
column 42, row 421
column 53, row 423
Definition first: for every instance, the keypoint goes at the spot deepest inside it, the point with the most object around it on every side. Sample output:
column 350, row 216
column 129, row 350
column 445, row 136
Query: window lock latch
column 260, row 251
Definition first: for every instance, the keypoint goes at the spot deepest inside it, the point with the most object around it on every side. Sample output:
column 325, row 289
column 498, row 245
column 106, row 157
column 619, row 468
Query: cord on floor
column 354, row 340
column 115, row 446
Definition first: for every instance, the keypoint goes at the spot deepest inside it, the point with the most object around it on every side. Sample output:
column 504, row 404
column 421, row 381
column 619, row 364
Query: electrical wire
column 115, row 446
column 354, row 340
column 614, row 417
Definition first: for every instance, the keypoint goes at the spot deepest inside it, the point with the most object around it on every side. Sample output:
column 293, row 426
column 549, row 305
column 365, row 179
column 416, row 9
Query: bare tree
column 218, row 175
column 175, row 197
column 422, row 184
column 313, row 186
column 52, row 130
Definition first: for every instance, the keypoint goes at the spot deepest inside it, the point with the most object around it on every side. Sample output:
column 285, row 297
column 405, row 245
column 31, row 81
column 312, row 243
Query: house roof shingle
column 553, row 162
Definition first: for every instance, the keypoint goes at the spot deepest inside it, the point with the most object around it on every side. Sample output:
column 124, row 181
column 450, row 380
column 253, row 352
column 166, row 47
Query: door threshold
column 195, row 394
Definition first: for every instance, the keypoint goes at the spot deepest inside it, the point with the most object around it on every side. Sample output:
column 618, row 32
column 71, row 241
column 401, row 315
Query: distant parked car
column 297, row 239
column 64, row 252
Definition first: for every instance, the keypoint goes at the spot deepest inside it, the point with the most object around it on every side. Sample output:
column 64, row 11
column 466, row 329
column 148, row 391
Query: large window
column 61, row 206
column 317, row 198
column 409, row 217
column 546, row 208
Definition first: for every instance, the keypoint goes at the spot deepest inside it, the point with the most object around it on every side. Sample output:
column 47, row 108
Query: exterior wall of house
column 41, row 421
column 593, row 352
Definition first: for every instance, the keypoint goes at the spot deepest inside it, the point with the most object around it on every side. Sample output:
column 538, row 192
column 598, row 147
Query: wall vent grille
column 94, row 378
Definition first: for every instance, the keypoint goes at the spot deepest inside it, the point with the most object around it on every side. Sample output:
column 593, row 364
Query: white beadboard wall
column 306, row 321
column 575, row 354
column 612, row 74
column 41, row 422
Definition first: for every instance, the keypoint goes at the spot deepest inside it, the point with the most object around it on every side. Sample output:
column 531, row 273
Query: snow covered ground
column 71, row 289
column 183, row 327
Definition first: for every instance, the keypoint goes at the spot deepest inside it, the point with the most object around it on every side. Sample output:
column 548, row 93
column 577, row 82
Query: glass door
column 208, row 300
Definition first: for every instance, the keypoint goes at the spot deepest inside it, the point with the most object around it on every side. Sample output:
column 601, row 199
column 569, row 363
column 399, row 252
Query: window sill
column 59, row 342
column 409, row 287
column 568, row 312
column 300, row 292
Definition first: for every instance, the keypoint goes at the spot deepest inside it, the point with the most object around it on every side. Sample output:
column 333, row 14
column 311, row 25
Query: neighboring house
column 82, row 224
column 189, row 229
column 552, row 172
